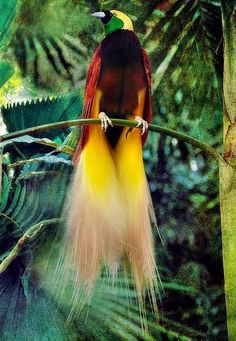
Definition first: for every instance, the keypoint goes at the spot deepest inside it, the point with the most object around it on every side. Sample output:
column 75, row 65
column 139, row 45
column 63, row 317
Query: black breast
column 121, row 48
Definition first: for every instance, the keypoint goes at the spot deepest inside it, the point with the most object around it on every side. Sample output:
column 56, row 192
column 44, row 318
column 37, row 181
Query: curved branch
column 30, row 234
column 207, row 149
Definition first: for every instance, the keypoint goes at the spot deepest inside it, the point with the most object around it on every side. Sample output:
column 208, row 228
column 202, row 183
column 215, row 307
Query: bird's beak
column 98, row 15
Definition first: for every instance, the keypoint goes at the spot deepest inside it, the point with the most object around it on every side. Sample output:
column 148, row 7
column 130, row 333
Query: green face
column 113, row 25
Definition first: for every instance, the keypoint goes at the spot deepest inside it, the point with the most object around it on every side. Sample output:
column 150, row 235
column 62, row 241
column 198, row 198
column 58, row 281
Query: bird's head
column 114, row 20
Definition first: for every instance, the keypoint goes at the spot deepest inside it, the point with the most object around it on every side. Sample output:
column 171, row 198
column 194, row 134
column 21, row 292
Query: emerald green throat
column 113, row 25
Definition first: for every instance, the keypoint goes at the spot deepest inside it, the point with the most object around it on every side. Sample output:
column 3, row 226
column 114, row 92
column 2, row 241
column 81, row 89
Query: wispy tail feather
column 108, row 212
column 94, row 227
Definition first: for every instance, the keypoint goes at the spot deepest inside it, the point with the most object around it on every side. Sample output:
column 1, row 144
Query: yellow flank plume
column 108, row 211
column 137, row 236
column 98, row 162
column 129, row 164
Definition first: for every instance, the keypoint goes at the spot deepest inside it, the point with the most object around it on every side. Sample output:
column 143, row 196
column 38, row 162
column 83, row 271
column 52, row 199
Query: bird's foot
column 105, row 121
column 143, row 123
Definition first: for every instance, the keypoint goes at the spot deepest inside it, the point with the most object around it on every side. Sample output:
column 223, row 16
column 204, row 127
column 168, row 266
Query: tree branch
column 207, row 149
column 29, row 235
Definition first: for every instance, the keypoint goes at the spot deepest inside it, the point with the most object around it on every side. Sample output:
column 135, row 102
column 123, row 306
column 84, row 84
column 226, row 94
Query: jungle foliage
column 48, row 46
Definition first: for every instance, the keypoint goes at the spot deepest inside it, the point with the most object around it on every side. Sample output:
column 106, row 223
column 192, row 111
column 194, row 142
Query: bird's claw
column 143, row 123
column 105, row 121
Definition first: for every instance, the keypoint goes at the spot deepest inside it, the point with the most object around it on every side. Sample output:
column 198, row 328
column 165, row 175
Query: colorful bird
column 110, row 212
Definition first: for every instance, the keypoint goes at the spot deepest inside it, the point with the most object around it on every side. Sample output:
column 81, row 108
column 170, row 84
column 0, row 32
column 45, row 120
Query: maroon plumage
column 119, row 53
column 110, row 211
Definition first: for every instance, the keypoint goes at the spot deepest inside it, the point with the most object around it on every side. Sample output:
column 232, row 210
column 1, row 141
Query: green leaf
column 47, row 44
column 7, row 14
column 6, row 186
column 159, row 13
column 72, row 139
column 36, row 193
column 6, row 71
column 198, row 199
column 43, row 111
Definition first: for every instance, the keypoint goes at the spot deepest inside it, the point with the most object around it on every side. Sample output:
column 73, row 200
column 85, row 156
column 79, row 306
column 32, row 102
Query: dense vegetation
column 46, row 50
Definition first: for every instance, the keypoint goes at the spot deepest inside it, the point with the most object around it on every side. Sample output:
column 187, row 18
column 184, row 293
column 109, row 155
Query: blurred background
column 46, row 48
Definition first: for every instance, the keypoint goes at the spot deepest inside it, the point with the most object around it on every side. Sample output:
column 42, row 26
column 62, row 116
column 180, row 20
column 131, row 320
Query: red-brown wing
column 90, row 88
column 147, row 114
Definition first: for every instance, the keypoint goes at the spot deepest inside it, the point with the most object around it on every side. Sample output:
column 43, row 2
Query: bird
column 109, row 209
